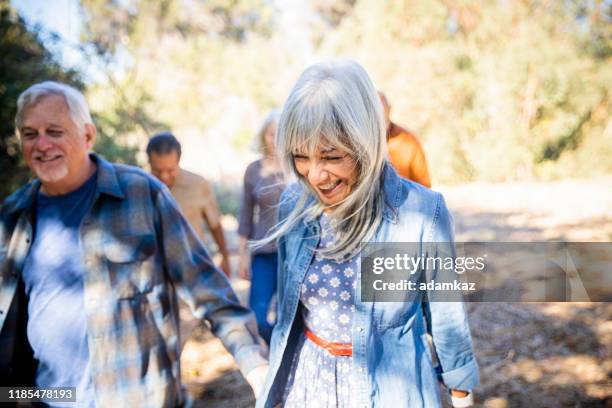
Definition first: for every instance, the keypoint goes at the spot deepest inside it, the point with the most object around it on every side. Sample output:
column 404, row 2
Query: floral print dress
column 318, row 378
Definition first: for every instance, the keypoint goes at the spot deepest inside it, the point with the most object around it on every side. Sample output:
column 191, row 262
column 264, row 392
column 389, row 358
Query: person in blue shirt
column 330, row 348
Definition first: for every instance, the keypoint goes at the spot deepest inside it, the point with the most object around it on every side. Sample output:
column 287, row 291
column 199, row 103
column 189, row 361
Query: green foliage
column 121, row 122
column 142, row 23
column 24, row 61
column 228, row 197
column 496, row 90
column 182, row 63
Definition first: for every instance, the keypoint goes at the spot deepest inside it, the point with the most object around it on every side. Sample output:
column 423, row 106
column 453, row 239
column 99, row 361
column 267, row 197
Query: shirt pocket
column 130, row 264
column 388, row 315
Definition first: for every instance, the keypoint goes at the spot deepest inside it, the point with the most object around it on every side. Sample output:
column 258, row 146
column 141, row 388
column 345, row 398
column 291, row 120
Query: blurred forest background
column 496, row 90
column 510, row 98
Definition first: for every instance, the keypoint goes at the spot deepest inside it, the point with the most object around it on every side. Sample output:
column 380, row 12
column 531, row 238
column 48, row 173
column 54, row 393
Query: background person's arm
column 245, row 224
column 219, row 237
column 212, row 217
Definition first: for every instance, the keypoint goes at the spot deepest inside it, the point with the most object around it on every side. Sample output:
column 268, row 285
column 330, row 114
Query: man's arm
column 211, row 215
column 244, row 267
column 219, row 237
column 203, row 287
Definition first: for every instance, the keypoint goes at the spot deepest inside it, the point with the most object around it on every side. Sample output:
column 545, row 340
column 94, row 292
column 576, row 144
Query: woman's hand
column 462, row 399
column 244, row 269
column 459, row 393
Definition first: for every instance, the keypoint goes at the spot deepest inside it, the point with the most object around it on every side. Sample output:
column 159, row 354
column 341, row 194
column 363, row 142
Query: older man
column 100, row 251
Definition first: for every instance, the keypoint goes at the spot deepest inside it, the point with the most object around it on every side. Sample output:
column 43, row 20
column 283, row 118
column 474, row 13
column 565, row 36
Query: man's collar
column 107, row 182
column 26, row 198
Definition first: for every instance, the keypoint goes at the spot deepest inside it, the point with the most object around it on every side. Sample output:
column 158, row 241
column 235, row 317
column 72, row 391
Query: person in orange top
column 405, row 151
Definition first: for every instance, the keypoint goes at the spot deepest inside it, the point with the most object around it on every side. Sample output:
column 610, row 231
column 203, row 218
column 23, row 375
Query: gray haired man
column 92, row 258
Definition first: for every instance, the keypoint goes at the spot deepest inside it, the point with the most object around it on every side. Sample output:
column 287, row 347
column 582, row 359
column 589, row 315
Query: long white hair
column 259, row 143
column 335, row 103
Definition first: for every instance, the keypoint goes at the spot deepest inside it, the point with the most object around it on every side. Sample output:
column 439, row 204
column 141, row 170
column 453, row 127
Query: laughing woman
column 330, row 349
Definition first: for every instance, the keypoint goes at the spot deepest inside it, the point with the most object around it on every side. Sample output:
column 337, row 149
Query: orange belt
column 336, row 349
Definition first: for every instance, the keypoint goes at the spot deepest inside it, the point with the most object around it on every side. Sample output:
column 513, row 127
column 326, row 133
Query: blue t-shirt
column 53, row 277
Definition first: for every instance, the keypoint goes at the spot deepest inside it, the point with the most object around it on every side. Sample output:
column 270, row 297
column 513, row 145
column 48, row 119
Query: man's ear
column 90, row 135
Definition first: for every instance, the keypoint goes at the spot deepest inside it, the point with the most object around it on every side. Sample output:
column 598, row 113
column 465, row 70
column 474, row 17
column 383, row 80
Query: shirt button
column 360, row 369
column 360, row 329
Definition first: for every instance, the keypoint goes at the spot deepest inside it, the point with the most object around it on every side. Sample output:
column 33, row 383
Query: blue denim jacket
column 392, row 364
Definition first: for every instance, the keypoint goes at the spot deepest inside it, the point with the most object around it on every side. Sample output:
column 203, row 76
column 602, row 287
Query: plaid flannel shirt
column 139, row 252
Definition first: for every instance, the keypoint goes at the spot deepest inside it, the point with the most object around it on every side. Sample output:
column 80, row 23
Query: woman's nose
column 317, row 172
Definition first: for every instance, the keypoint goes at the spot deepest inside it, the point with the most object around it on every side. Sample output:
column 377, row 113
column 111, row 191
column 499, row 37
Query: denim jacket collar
column 395, row 193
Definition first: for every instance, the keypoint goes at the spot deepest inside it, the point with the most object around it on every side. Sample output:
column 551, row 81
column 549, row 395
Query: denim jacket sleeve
column 447, row 320
column 205, row 289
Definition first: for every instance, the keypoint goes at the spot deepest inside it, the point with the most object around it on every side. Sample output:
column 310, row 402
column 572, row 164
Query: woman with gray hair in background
column 263, row 185
column 329, row 348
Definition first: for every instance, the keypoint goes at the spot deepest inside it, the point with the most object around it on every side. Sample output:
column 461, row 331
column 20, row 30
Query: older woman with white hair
column 263, row 185
column 330, row 348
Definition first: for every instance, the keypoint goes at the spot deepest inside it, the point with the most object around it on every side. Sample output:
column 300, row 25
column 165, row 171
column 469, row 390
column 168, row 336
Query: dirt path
column 530, row 355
